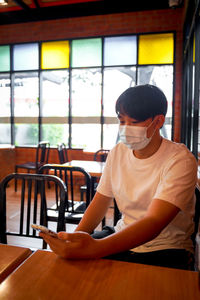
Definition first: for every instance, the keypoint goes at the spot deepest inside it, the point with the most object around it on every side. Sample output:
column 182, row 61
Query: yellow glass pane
column 55, row 55
column 156, row 49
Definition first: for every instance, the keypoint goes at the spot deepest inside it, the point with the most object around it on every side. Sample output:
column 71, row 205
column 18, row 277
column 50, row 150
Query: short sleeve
column 105, row 185
column 178, row 182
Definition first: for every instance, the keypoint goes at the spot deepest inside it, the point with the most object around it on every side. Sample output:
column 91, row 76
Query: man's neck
column 151, row 148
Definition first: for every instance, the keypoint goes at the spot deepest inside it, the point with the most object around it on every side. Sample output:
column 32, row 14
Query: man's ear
column 160, row 120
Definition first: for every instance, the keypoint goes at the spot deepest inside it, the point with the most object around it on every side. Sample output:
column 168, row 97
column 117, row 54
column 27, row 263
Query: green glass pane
column 4, row 58
column 86, row 53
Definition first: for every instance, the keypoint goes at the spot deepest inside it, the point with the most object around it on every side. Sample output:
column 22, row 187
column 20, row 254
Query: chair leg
column 82, row 194
column 16, row 179
column 44, row 245
column 103, row 223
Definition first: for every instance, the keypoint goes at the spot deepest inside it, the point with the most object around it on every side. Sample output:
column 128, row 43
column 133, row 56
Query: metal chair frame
column 42, row 157
column 62, row 153
column 74, row 210
column 30, row 194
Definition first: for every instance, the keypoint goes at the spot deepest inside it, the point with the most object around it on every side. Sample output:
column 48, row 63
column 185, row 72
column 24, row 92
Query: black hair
column 142, row 102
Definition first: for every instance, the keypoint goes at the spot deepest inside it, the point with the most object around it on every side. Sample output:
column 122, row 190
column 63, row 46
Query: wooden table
column 10, row 258
column 45, row 276
column 94, row 168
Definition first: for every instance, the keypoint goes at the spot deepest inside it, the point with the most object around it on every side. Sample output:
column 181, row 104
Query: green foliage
column 53, row 133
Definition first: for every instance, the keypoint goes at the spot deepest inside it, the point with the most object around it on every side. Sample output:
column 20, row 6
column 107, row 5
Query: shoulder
column 119, row 150
column 177, row 149
column 178, row 152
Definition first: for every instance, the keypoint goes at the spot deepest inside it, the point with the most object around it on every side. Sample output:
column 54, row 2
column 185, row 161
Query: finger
column 63, row 235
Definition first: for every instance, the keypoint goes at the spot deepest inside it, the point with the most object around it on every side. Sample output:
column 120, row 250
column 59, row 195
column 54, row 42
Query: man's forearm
column 132, row 236
column 94, row 213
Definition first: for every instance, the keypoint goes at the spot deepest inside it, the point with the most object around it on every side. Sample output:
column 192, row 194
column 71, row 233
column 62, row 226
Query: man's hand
column 77, row 245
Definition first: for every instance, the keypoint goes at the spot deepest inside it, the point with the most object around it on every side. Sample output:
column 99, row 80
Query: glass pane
column 5, row 95
column 5, row 136
column 86, row 92
column 25, row 57
column 55, row 93
column 110, row 135
column 55, row 133
column 116, row 80
column 162, row 77
column 26, row 134
column 86, row 136
column 55, row 55
column 26, row 94
column 4, row 58
column 156, row 49
column 86, row 52
column 120, row 50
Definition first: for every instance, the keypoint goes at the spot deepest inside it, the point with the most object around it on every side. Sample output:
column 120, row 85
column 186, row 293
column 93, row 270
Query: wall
column 7, row 160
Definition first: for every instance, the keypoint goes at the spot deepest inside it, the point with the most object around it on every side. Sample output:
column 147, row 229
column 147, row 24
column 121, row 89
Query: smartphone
column 44, row 230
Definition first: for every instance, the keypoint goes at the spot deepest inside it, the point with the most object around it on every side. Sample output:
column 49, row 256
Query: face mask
column 134, row 137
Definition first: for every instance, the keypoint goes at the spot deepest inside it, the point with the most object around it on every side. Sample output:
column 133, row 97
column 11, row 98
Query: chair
column 100, row 155
column 42, row 157
column 62, row 153
column 32, row 206
column 74, row 208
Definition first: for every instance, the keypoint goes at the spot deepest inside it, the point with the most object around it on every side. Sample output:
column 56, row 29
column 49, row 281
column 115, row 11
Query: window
column 5, row 111
column 65, row 91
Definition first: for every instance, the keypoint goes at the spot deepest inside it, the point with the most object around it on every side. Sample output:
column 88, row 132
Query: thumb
column 76, row 236
column 62, row 235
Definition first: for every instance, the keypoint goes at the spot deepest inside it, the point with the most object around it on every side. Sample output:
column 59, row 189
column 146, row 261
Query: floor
column 13, row 213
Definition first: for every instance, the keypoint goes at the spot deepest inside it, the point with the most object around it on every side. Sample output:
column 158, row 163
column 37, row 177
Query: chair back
column 101, row 155
column 33, row 205
column 42, row 154
column 73, row 178
column 62, row 153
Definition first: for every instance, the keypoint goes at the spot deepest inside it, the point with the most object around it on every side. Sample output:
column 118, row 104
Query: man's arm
column 94, row 213
column 80, row 245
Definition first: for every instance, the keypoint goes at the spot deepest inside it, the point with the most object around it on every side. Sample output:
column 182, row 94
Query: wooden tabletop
column 46, row 276
column 94, row 168
column 10, row 258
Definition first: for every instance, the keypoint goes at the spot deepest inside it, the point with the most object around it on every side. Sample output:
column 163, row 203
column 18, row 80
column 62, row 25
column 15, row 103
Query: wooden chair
column 74, row 208
column 42, row 157
column 33, row 204
column 62, row 153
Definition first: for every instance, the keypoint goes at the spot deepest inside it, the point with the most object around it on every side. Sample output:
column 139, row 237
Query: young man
column 152, row 180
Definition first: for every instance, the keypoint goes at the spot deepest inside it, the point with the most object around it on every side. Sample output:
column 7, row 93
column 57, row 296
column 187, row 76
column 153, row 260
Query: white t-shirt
column 170, row 174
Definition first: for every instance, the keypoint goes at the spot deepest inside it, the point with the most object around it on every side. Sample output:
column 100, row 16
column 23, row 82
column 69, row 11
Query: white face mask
column 134, row 137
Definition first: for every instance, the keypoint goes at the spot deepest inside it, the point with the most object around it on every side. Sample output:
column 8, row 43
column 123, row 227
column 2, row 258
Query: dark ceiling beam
column 79, row 10
column 22, row 5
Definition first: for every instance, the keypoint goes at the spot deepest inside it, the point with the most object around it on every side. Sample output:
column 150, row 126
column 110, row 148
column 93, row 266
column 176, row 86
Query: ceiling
column 18, row 11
